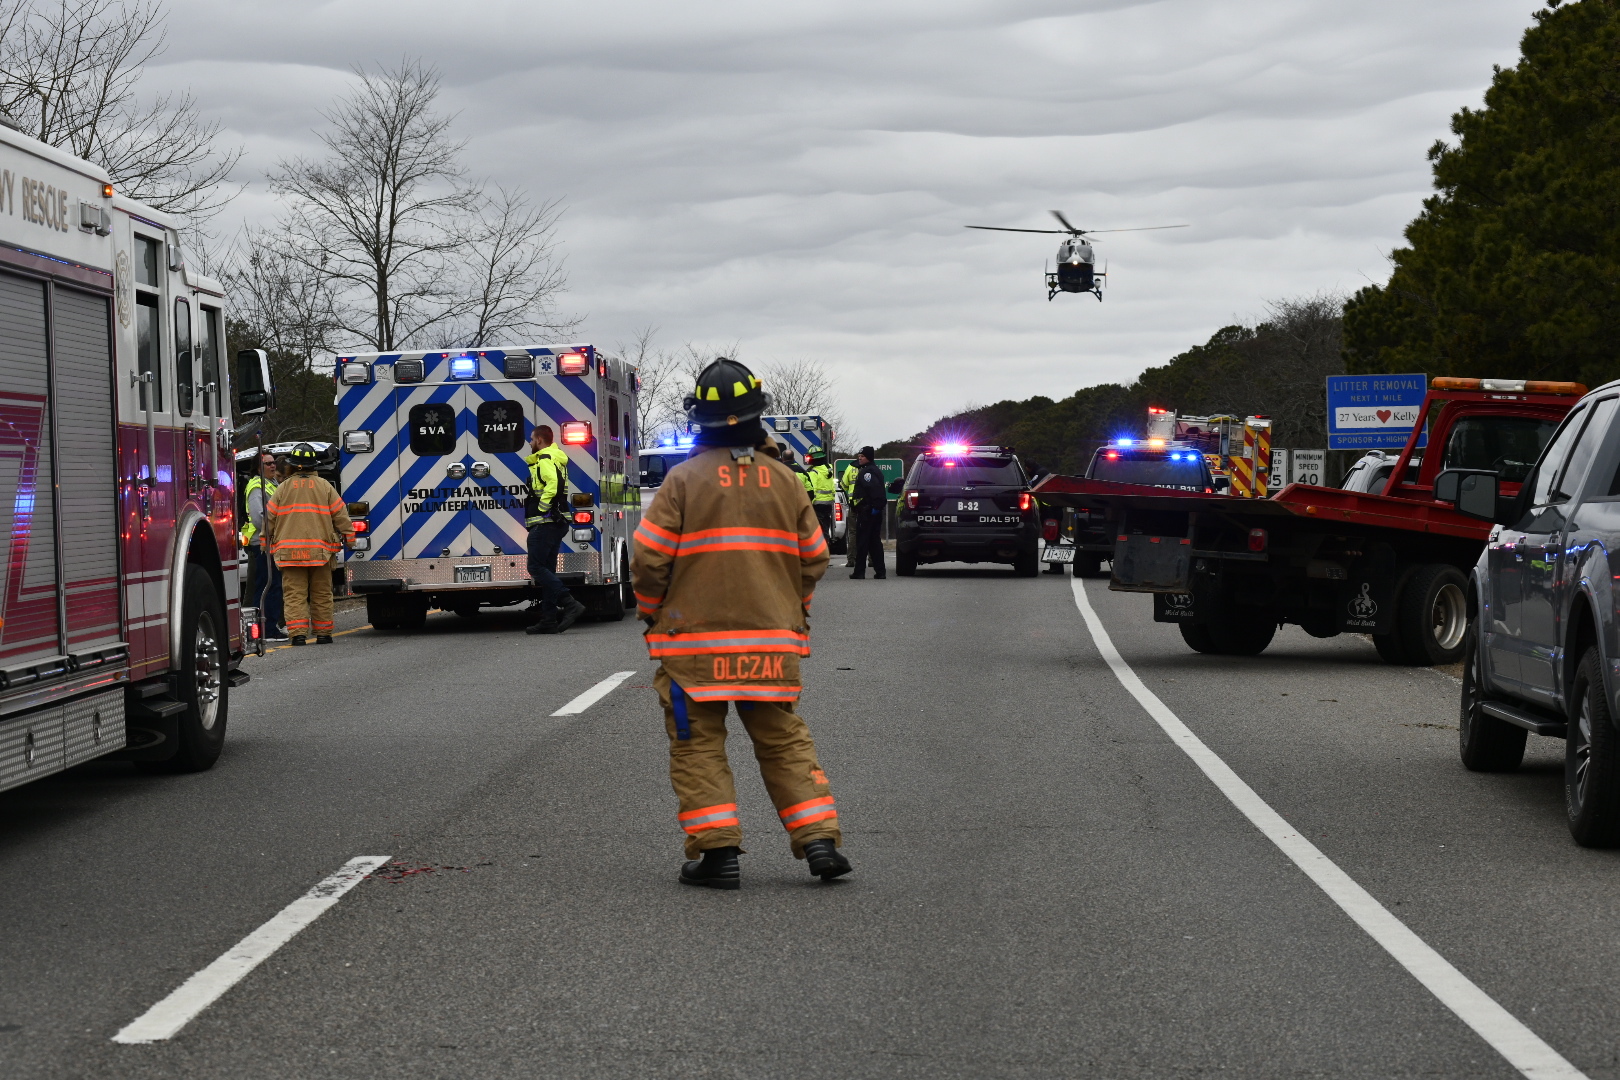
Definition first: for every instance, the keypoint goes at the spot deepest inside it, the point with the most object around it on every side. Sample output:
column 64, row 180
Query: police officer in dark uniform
column 871, row 498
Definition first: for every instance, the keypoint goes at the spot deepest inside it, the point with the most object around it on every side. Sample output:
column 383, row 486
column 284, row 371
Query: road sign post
column 1373, row 412
column 892, row 469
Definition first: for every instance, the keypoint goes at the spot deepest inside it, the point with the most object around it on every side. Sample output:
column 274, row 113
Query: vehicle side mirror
column 895, row 486
column 255, row 390
column 1472, row 492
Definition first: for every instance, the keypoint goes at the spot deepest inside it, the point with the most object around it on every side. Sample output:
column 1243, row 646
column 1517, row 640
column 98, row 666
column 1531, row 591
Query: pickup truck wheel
column 1198, row 637
column 202, row 681
column 1432, row 615
column 1592, row 760
column 1485, row 743
column 905, row 563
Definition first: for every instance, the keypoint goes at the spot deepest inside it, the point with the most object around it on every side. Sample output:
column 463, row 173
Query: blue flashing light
column 464, row 367
column 1124, row 442
column 684, row 442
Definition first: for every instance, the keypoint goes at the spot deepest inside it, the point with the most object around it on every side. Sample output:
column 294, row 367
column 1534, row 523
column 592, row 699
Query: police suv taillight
column 573, row 363
column 911, row 500
column 1025, row 500
column 357, row 442
column 576, row 432
column 354, row 372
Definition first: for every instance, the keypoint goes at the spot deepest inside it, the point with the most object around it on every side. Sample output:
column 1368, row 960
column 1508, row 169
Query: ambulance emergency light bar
column 573, row 363
column 576, row 432
column 464, row 366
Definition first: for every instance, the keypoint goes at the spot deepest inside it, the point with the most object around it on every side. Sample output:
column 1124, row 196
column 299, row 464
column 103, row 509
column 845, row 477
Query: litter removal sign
column 1374, row 412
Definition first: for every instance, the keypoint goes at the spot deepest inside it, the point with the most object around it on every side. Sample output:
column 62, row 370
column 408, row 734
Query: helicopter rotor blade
column 1000, row 228
column 1145, row 228
column 1065, row 223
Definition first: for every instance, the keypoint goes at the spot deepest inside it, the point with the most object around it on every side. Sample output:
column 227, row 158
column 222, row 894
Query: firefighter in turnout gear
column 823, row 490
column 305, row 523
column 546, row 514
column 726, row 558
column 266, row 587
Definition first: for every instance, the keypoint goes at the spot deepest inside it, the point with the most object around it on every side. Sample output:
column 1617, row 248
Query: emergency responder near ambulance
column 871, row 498
column 266, row 589
column 546, row 514
column 305, row 523
column 823, row 490
column 727, row 555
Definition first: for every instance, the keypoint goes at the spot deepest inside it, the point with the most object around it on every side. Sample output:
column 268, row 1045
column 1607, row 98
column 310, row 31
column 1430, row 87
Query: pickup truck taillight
column 1257, row 539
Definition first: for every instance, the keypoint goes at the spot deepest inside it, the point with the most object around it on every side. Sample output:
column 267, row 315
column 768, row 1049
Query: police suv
column 967, row 504
column 434, row 448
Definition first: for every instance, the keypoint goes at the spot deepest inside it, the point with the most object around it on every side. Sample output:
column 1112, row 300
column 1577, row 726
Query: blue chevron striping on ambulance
column 433, row 457
column 802, row 433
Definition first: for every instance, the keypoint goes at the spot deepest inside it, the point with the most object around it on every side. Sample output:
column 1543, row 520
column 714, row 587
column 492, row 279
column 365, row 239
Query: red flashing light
column 361, row 526
column 573, row 363
column 1156, row 411
column 949, row 464
column 838, row 511
column 1025, row 500
column 255, row 630
column 1112, row 455
column 583, row 517
column 950, row 449
column 576, row 432
column 1257, row 539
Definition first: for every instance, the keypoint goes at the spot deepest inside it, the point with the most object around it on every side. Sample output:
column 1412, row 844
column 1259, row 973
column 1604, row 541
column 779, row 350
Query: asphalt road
column 1044, row 884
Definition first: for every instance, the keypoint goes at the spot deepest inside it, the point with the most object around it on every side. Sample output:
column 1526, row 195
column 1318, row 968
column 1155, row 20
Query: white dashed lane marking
column 594, row 694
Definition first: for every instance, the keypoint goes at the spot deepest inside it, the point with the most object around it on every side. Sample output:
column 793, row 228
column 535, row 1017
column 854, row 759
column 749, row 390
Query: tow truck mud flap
column 1152, row 563
column 1175, row 607
column 1366, row 602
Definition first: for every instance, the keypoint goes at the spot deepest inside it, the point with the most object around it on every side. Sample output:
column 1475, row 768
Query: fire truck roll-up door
column 59, row 604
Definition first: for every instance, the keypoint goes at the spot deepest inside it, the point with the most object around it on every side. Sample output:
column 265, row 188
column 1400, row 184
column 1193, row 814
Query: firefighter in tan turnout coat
column 726, row 557
column 305, row 523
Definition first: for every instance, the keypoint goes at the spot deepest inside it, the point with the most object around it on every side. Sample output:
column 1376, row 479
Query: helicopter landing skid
column 1053, row 288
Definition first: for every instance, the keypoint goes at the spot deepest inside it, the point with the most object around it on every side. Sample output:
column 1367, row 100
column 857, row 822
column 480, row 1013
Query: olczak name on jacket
column 728, row 602
column 305, row 521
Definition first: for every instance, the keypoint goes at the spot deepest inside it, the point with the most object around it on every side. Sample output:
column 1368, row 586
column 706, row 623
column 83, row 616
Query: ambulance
column 120, row 626
column 433, row 448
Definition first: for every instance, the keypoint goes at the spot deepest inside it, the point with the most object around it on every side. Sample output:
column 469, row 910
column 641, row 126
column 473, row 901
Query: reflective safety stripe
column 647, row 605
column 729, row 641
column 709, row 817
column 801, row 814
column 743, row 693
column 303, row 508
column 815, row 546
column 739, row 539
column 659, row 539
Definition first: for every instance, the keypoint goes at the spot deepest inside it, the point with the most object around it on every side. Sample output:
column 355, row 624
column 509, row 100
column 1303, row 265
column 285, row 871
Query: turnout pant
column 869, row 537
column 545, row 540
column 824, row 514
column 701, row 774
column 306, row 593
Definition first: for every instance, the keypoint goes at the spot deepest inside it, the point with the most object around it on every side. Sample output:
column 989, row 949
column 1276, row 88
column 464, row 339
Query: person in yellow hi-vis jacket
column 305, row 524
column 727, row 555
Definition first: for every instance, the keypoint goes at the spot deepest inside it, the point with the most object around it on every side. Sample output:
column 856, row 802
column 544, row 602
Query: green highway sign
column 893, row 469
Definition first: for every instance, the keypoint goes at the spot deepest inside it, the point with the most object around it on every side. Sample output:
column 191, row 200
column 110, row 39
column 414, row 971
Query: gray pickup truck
column 1542, row 649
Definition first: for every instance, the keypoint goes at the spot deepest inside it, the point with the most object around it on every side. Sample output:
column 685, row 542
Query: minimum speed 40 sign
column 1308, row 466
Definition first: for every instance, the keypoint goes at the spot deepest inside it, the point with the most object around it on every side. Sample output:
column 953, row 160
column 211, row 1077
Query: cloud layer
column 796, row 176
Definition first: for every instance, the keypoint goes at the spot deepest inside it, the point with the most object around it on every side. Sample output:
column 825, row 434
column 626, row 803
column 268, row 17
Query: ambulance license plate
column 471, row 575
column 1058, row 554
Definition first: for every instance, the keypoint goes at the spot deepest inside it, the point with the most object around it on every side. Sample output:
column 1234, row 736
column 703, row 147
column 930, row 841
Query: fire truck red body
column 120, row 629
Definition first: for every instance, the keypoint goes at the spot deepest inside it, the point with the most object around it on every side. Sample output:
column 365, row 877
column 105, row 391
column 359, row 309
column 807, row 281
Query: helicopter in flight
column 1076, row 263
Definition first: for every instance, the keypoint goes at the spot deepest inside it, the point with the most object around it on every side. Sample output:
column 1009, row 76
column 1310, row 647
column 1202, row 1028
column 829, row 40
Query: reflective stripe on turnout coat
column 726, row 557
column 304, row 521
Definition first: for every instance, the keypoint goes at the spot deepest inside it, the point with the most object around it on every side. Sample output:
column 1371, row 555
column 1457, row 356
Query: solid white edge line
column 204, row 988
column 1522, row 1048
column 594, row 694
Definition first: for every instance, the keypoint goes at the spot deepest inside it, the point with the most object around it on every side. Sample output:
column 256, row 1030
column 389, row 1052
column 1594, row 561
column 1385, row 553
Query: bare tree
column 69, row 73
column 416, row 253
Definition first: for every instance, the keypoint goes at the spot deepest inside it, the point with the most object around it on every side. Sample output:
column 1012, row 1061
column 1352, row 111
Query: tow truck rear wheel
column 1485, row 743
column 1431, row 616
column 1246, row 636
column 1592, row 760
column 1089, row 564
column 1197, row 637
column 393, row 611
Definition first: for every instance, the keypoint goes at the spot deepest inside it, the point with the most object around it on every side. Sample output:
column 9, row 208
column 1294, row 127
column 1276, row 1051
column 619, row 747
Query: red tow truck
column 1230, row 570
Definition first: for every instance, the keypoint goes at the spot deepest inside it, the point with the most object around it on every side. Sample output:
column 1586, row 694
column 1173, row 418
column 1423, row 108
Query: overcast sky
column 795, row 177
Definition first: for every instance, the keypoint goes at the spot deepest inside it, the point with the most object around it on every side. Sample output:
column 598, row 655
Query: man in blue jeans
column 546, row 514
column 266, row 575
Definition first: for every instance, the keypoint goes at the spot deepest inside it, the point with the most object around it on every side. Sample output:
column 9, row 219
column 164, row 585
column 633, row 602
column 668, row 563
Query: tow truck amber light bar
column 576, row 432
column 1522, row 386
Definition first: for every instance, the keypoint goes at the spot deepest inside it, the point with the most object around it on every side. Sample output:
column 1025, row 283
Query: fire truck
column 434, row 448
column 120, row 625
column 1228, row 571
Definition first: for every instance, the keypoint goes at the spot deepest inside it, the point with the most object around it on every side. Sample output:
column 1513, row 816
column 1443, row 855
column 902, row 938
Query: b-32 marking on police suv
column 120, row 628
column 434, row 448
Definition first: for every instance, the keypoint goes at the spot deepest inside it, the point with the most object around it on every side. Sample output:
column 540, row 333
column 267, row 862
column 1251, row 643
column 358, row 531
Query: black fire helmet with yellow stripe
column 303, row 456
column 727, row 393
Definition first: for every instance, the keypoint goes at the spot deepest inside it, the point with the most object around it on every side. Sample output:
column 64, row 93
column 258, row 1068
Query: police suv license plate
column 471, row 575
column 969, row 505
column 1058, row 554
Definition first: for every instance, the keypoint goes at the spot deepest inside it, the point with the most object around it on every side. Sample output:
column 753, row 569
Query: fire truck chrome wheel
column 1449, row 616
column 207, row 668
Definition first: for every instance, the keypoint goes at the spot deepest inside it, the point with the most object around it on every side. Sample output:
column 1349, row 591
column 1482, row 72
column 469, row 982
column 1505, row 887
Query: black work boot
column 544, row 626
column 569, row 615
column 717, row 869
column 298, row 639
column 826, row 861
column 323, row 639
